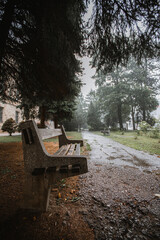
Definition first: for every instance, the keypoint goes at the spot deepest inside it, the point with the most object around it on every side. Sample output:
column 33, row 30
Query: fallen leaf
column 54, row 190
column 75, row 199
column 157, row 195
column 59, row 195
column 72, row 191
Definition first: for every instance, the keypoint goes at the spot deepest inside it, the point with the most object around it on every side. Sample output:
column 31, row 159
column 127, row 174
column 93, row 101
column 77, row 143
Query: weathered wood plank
column 65, row 149
column 78, row 149
column 49, row 133
column 61, row 150
column 71, row 150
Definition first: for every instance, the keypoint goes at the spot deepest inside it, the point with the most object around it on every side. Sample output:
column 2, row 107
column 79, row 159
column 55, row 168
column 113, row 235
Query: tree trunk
column 5, row 26
column 137, row 119
column 42, row 116
column 55, row 121
column 120, row 116
column 144, row 115
column 26, row 113
column 133, row 120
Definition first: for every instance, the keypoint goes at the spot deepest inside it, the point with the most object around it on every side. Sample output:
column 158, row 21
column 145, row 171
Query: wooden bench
column 106, row 132
column 42, row 169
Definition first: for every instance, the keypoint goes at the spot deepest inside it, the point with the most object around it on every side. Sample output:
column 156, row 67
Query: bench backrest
column 33, row 147
column 49, row 133
column 30, row 126
column 34, row 151
column 43, row 169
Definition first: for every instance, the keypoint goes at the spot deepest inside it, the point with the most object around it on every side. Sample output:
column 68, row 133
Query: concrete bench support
column 43, row 169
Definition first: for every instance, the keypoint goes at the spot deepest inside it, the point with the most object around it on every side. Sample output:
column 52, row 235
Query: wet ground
column 107, row 151
column 118, row 195
column 114, row 200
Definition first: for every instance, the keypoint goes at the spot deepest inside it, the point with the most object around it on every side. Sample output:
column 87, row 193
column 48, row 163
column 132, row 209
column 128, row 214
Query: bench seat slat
column 61, row 150
column 65, row 149
column 71, row 150
column 77, row 151
column 68, row 147
column 49, row 133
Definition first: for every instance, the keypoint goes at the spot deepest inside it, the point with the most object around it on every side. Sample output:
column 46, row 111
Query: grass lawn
column 72, row 135
column 10, row 139
column 131, row 139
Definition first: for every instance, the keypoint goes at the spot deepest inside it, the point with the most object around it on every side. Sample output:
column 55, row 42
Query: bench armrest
column 63, row 140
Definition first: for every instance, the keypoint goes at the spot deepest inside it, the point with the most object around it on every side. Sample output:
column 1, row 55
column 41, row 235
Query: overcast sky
column 87, row 77
column 88, row 71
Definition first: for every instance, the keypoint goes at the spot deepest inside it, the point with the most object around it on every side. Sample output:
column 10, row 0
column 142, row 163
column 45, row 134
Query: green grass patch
column 88, row 147
column 131, row 139
column 8, row 139
column 72, row 135
column 55, row 139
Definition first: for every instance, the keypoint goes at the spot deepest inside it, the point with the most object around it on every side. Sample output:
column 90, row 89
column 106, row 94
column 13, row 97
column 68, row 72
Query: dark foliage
column 39, row 41
column 9, row 126
column 119, row 29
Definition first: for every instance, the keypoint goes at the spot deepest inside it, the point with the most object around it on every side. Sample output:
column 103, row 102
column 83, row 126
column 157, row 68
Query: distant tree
column 79, row 115
column 61, row 110
column 113, row 97
column 93, row 117
column 142, row 85
column 128, row 91
column 9, row 126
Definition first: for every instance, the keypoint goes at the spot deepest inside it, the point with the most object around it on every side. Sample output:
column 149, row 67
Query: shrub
column 138, row 132
column 144, row 126
column 155, row 130
column 9, row 126
column 154, row 133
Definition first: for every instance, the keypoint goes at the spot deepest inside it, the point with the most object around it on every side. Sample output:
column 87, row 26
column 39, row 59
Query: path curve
column 110, row 152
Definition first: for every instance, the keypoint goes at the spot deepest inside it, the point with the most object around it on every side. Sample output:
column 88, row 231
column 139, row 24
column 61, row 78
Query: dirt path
column 118, row 197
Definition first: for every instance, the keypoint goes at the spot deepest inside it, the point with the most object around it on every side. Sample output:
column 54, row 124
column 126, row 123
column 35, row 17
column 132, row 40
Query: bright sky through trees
column 87, row 80
column 88, row 72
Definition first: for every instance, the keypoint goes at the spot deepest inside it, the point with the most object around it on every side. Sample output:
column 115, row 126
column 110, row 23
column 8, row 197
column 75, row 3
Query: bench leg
column 36, row 193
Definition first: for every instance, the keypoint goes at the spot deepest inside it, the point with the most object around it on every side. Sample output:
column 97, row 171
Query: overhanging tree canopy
column 120, row 28
column 40, row 41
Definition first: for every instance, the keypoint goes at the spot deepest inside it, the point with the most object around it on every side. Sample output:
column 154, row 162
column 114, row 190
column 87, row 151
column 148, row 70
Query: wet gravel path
column 118, row 194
